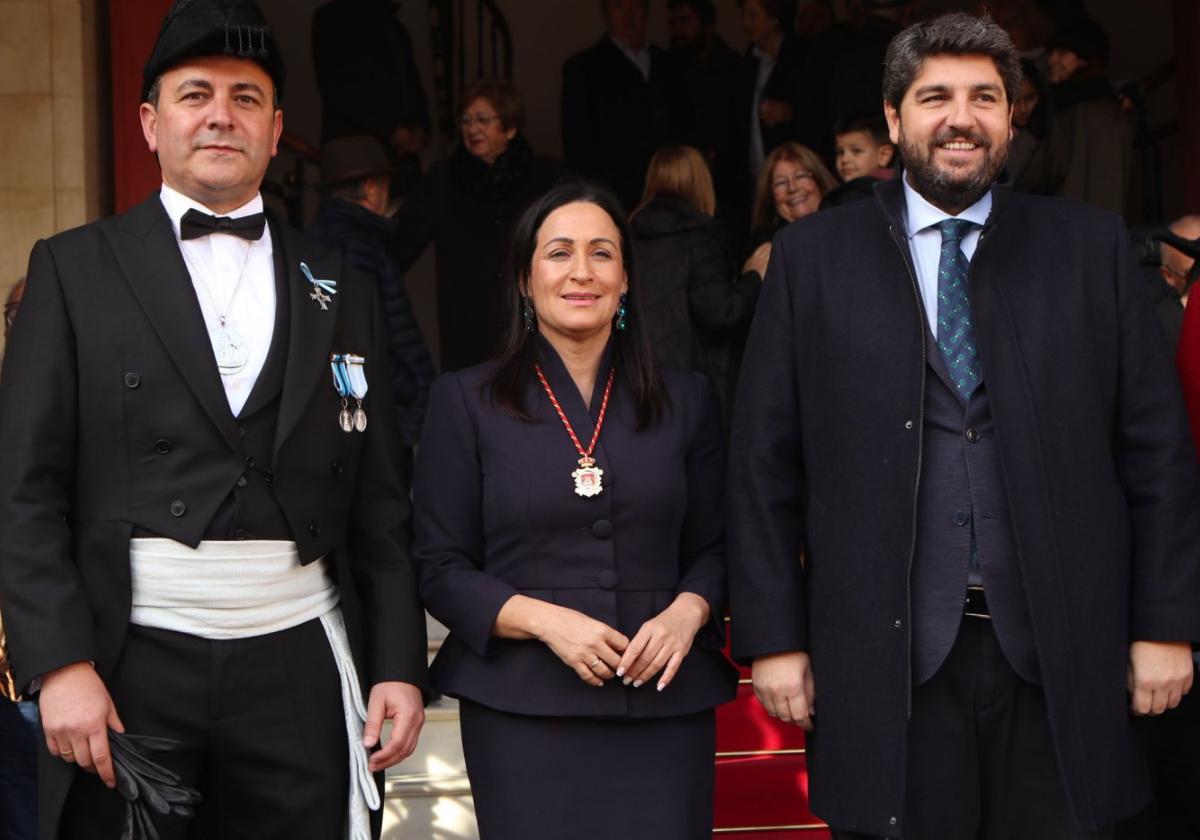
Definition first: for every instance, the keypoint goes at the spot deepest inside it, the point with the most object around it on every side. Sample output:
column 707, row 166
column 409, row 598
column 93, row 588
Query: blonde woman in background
column 695, row 307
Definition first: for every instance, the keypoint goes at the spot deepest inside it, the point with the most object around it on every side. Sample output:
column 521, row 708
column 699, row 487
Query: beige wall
column 49, row 110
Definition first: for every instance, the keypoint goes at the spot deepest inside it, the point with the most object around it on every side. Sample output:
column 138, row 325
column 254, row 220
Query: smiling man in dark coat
column 190, row 546
column 963, row 501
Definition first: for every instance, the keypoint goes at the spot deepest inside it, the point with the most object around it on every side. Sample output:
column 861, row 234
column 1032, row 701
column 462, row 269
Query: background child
column 863, row 147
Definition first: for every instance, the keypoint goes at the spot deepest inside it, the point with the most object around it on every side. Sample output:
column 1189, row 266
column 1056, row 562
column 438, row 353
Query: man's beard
column 953, row 190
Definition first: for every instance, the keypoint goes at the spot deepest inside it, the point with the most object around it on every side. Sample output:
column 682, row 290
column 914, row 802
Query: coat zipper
column 912, row 549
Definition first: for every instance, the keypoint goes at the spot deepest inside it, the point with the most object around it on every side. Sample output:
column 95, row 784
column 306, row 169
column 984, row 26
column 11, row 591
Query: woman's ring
column 67, row 754
column 595, row 662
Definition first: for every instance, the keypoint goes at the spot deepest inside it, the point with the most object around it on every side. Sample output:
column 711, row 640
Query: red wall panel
column 133, row 28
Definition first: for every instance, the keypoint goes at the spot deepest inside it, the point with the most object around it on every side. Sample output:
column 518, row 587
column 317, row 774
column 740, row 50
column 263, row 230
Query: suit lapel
column 312, row 328
column 146, row 250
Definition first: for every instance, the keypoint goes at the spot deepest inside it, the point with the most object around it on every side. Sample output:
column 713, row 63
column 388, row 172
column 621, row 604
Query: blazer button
column 268, row 476
column 972, row 436
column 602, row 529
column 132, row 380
column 250, row 461
column 961, row 517
column 242, row 481
column 314, row 528
column 607, row 579
column 336, row 468
column 178, row 508
column 163, row 446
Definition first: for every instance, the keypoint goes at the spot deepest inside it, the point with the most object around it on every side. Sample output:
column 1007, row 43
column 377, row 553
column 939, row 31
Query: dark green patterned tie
column 955, row 335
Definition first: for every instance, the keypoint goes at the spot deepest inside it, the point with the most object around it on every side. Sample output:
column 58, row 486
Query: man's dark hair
column 704, row 9
column 1084, row 37
column 783, row 11
column 872, row 123
column 954, row 34
column 632, row 356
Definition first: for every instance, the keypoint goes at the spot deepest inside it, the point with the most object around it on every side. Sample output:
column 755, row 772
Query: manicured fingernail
column 637, row 683
column 627, row 680
column 661, row 686
column 621, row 673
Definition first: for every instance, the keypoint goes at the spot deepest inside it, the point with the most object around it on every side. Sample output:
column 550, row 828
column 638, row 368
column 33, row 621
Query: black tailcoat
column 1096, row 462
column 111, row 356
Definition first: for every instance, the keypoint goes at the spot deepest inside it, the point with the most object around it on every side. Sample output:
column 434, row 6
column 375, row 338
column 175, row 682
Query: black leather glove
column 147, row 786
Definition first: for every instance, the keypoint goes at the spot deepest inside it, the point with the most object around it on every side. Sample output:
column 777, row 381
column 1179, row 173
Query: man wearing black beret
column 202, row 537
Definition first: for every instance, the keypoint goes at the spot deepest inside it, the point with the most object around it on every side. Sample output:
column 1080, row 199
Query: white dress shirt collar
column 920, row 214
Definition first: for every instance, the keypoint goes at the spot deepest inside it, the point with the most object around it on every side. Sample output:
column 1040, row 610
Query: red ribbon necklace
column 587, row 477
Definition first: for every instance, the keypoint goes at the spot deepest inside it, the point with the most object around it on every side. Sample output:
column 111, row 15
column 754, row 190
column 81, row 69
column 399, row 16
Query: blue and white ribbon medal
column 350, row 380
column 320, row 287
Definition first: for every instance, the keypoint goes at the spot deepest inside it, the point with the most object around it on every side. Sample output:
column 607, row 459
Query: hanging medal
column 357, row 376
column 230, row 348
column 588, row 478
column 341, row 382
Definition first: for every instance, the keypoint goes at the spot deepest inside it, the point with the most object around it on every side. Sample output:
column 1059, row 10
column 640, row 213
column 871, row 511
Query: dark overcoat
column 694, row 307
column 109, row 361
column 1099, row 472
column 614, row 119
column 467, row 209
column 496, row 515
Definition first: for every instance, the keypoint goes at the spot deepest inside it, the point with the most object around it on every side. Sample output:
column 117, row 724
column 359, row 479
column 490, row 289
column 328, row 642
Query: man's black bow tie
column 195, row 224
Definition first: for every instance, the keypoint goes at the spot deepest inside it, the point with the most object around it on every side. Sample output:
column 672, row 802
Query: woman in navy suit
column 569, row 533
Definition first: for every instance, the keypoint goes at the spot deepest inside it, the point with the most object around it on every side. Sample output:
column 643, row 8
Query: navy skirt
column 552, row 778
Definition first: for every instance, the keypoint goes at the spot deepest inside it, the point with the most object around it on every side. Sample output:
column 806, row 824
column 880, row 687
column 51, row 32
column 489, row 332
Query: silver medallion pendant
column 345, row 420
column 230, row 349
column 360, row 418
column 588, row 478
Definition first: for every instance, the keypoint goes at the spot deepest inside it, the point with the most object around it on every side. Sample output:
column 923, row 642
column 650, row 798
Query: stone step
column 428, row 797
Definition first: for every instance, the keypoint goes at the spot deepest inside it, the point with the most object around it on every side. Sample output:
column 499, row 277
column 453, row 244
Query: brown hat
column 353, row 158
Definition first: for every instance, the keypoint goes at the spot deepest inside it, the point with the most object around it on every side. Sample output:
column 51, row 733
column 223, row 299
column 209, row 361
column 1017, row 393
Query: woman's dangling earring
column 622, row 311
column 530, row 315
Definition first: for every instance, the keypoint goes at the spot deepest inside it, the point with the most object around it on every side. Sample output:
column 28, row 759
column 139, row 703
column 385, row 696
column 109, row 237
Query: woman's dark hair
column 632, row 356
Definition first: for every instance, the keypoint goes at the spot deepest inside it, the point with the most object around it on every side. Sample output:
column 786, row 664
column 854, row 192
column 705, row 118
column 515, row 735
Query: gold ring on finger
column 595, row 662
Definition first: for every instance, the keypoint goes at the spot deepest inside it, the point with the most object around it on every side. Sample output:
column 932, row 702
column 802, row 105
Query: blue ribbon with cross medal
column 350, row 380
column 320, row 287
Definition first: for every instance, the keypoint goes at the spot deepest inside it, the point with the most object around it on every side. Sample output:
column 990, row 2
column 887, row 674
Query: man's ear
column 149, row 117
column 893, row 120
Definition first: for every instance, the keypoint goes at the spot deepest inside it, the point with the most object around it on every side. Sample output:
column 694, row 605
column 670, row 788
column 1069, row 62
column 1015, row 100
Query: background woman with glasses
column 791, row 185
column 466, row 205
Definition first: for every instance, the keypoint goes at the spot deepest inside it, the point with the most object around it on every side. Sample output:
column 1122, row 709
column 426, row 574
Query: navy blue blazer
column 496, row 515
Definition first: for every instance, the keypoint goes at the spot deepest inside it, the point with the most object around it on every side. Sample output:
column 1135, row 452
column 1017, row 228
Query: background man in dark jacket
column 369, row 82
column 621, row 100
column 979, row 449
column 352, row 218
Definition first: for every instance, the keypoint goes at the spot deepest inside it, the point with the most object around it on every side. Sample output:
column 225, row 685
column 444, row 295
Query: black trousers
column 262, row 729
column 981, row 762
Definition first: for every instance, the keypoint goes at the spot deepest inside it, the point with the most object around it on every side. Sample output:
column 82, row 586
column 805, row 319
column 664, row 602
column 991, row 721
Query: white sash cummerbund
column 237, row 590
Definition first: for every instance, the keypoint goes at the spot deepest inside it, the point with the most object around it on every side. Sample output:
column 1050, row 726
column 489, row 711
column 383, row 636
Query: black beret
column 195, row 28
